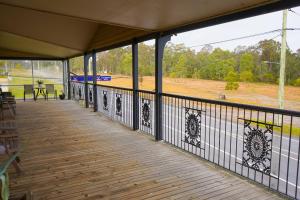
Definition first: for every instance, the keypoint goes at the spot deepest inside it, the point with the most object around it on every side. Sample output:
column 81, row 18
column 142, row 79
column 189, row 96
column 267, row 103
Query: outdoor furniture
column 9, row 140
column 28, row 89
column 7, row 102
column 4, row 176
column 7, row 105
column 50, row 90
column 40, row 91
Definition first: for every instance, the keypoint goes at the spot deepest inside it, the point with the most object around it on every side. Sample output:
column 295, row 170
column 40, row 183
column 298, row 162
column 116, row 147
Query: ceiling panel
column 65, row 28
column 15, row 43
column 54, row 29
column 141, row 14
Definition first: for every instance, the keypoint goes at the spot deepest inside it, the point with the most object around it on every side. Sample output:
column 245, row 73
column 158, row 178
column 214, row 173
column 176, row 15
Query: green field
column 17, row 87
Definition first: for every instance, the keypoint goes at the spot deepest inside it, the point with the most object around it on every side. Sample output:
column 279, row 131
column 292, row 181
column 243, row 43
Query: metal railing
column 146, row 111
column 259, row 143
column 116, row 103
column 77, row 91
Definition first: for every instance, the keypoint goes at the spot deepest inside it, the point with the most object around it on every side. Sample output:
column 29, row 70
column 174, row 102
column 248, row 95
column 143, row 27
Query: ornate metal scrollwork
column 146, row 112
column 119, row 104
column 73, row 91
column 193, row 127
column 91, row 95
column 79, row 92
column 257, row 148
column 105, row 101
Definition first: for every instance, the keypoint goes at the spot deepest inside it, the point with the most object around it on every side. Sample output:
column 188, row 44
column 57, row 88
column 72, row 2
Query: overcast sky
column 245, row 27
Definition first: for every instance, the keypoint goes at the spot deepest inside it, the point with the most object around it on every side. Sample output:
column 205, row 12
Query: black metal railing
column 77, row 91
column 146, row 111
column 259, row 143
column 116, row 103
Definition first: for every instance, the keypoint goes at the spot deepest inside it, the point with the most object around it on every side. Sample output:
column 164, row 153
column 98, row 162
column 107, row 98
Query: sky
column 244, row 27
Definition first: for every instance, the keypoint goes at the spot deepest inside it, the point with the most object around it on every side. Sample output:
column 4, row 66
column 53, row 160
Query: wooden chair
column 50, row 90
column 28, row 89
column 7, row 105
column 8, row 102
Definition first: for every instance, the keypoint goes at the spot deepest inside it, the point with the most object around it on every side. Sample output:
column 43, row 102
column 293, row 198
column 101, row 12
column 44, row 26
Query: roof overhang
column 67, row 28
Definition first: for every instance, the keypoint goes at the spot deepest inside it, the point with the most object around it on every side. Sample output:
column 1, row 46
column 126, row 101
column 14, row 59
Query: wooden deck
column 69, row 152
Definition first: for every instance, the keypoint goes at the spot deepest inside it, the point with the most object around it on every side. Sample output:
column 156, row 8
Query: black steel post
column 160, row 43
column 69, row 78
column 85, row 66
column 94, row 81
column 135, row 84
column 64, row 76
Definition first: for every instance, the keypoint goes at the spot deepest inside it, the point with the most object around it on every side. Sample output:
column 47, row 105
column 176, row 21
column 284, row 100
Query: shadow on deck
column 72, row 153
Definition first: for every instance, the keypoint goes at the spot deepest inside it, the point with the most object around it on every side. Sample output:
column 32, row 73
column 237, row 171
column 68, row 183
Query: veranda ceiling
column 66, row 28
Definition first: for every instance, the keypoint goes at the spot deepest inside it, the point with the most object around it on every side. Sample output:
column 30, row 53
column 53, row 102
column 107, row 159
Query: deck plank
column 69, row 152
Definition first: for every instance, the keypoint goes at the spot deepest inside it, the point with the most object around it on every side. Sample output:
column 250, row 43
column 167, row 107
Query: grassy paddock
column 286, row 128
column 260, row 94
column 18, row 91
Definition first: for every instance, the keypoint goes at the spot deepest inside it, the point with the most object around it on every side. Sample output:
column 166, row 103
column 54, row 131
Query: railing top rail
column 7, row 85
column 74, row 74
column 77, row 82
column 116, row 87
column 245, row 106
column 146, row 91
column 113, row 87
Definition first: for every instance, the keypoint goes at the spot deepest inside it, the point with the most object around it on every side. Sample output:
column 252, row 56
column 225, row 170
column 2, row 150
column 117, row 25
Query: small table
column 40, row 91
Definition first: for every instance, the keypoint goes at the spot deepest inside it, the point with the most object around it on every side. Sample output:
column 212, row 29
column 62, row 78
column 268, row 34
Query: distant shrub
column 232, row 86
column 231, row 77
column 268, row 77
column 246, row 76
column 297, row 82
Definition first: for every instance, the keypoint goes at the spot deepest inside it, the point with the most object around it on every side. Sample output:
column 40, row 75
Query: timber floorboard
column 69, row 152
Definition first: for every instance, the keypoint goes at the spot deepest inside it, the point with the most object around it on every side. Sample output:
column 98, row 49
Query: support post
column 282, row 62
column 135, row 84
column 68, row 78
column 85, row 70
column 160, row 43
column 94, row 65
column 64, row 76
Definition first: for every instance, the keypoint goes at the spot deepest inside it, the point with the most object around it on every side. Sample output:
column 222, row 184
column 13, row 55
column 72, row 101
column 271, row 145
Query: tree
column 126, row 64
column 232, row 78
column 146, row 60
column 76, row 65
column 297, row 82
column 270, row 53
column 253, row 63
column 298, row 53
column 246, row 62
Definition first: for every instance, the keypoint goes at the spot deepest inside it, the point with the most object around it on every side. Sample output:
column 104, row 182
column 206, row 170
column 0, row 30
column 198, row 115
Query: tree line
column 258, row 63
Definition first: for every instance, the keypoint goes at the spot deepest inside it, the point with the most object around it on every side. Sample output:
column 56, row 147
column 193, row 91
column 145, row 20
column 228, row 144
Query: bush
column 231, row 77
column 232, row 86
column 297, row 82
column 269, row 78
column 246, row 76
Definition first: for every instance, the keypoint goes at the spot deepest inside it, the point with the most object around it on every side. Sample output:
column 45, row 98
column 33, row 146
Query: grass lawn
column 18, row 89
